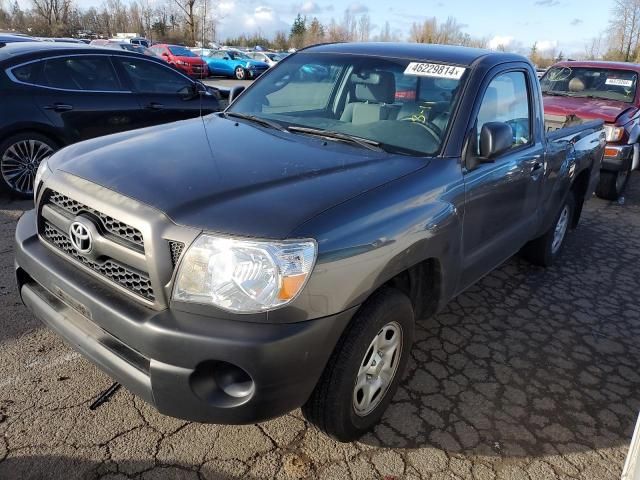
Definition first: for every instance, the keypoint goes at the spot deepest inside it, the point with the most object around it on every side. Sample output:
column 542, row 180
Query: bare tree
column 624, row 31
column 364, row 27
column 188, row 8
column 52, row 11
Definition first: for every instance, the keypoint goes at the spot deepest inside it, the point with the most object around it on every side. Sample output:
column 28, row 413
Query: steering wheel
column 433, row 130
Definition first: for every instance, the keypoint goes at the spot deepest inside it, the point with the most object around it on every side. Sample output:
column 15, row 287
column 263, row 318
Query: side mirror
column 495, row 139
column 235, row 91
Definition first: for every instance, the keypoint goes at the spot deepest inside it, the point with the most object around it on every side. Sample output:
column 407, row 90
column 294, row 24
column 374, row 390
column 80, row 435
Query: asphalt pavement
column 530, row 374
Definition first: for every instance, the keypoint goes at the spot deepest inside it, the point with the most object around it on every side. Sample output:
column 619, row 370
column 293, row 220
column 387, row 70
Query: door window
column 81, row 73
column 507, row 100
column 150, row 77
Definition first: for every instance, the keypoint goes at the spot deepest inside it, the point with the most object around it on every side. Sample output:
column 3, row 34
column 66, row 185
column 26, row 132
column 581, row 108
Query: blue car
column 234, row 63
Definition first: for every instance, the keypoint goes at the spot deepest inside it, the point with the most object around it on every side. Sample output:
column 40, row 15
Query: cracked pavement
column 530, row 374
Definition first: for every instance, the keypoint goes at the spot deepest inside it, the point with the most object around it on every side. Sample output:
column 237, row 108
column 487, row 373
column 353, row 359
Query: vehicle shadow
column 69, row 467
column 532, row 361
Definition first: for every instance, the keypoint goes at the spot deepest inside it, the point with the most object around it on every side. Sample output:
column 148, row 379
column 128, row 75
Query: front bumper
column 617, row 157
column 181, row 363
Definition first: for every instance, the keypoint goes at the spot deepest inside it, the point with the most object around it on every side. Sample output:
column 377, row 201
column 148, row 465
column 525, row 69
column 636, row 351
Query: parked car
column 183, row 59
column 234, row 63
column 131, row 47
column 270, row 58
column 600, row 90
column 55, row 94
column 232, row 285
column 143, row 42
column 9, row 38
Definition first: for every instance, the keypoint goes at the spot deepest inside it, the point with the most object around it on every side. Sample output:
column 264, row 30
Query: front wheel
column 545, row 250
column 240, row 73
column 20, row 156
column 612, row 184
column 364, row 370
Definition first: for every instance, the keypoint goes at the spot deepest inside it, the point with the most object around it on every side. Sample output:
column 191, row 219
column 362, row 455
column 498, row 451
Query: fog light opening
column 221, row 384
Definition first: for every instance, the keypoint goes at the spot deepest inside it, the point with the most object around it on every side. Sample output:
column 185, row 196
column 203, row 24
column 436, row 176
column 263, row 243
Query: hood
column 232, row 177
column 190, row 60
column 586, row 108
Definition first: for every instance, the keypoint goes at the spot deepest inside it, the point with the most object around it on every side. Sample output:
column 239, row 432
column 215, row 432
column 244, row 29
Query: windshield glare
column 181, row 52
column 361, row 96
column 238, row 55
column 602, row 83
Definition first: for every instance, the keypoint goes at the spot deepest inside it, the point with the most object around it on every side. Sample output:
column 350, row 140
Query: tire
column 20, row 156
column 545, row 249
column 612, row 184
column 338, row 405
column 240, row 73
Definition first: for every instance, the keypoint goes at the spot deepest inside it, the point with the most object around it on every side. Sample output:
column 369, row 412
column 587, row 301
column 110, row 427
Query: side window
column 30, row 73
column 150, row 77
column 81, row 73
column 507, row 100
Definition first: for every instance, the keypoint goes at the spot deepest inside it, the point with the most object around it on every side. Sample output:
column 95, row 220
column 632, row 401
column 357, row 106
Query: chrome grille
column 132, row 280
column 110, row 225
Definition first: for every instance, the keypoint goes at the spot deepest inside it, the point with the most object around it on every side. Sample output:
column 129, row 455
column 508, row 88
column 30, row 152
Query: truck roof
column 600, row 64
column 464, row 56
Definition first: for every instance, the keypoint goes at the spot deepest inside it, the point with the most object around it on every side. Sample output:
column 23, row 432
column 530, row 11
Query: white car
column 270, row 58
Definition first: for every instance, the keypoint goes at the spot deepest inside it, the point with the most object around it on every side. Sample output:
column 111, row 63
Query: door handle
column 59, row 107
column 537, row 166
column 154, row 106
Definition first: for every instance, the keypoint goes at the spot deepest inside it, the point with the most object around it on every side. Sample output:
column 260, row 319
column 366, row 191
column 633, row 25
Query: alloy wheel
column 560, row 230
column 20, row 163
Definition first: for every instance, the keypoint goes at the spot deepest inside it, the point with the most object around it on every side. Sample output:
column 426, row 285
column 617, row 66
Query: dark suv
column 54, row 94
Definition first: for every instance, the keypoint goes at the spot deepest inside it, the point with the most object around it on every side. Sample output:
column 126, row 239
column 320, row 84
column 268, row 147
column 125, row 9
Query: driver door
column 164, row 94
column 502, row 197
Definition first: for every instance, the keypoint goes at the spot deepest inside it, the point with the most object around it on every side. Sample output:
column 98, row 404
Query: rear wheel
column 240, row 73
column 363, row 372
column 20, row 156
column 545, row 250
column 612, row 184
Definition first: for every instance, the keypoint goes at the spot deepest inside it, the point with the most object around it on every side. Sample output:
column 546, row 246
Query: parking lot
column 529, row 374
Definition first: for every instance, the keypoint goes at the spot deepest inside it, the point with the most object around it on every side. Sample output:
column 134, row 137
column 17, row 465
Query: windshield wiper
column 557, row 94
column 345, row 137
column 252, row 118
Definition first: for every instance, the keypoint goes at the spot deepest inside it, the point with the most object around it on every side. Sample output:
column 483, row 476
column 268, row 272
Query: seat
column 375, row 93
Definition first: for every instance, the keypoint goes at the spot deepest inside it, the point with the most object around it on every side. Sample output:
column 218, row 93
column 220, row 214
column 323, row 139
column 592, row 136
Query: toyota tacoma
column 235, row 285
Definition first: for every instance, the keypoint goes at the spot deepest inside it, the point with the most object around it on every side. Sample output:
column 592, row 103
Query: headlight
column 42, row 168
column 614, row 134
column 244, row 276
column 180, row 62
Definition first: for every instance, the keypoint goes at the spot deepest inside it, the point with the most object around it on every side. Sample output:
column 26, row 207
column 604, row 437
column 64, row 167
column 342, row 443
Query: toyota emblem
column 80, row 237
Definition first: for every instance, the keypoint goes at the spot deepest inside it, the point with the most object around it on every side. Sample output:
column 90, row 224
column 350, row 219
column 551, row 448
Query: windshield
column 181, row 52
column 404, row 106
column 590, row 82
column 236, row 55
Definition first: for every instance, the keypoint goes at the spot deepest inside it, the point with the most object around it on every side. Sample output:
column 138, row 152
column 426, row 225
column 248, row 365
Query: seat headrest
column 378, row 87
column 576, row 84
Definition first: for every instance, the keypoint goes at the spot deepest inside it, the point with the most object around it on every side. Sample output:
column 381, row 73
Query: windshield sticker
column 434, row 70
column 619, row 82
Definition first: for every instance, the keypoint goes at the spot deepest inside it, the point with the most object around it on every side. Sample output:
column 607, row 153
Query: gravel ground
column 531, row 374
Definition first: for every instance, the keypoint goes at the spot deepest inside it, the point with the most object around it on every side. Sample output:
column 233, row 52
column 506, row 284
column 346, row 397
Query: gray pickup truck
column 276, row 255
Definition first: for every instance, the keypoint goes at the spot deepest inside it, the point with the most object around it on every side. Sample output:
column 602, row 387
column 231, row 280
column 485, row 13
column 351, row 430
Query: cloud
column 575, row 22
column 237, row 19
column 546, row 45
column 500, row 40
column 357, row 8
column 309, row 7
column 547, row 3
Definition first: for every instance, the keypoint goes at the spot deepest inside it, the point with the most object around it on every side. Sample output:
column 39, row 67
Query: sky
column 566, row 25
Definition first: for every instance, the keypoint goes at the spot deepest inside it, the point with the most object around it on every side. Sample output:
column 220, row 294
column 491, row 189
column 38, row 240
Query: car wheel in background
column 612, row 184
column 240, row 73
column 20, row 156
column 365, row 368
column 545, row 249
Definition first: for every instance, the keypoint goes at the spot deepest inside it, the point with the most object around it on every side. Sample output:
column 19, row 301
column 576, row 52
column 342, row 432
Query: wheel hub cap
column 560, row 230
column 377, row 369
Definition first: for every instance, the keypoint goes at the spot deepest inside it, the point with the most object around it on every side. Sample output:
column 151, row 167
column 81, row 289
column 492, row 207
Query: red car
column 183, row 59
column 576, row 91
